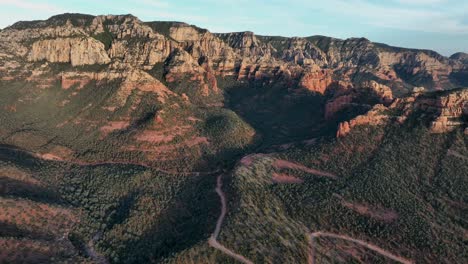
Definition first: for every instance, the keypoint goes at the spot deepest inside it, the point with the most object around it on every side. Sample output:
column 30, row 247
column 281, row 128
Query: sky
column 440, row 25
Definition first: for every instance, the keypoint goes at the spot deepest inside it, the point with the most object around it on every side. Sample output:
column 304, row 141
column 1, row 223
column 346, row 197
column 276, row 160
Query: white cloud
column 398, row 17
column 153, row 3
column 421, row 2
column 24, row 10
column 24, row 4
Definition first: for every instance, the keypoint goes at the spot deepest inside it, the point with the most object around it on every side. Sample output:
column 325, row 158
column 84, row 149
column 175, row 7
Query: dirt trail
column 280, row 164
column 212, row 241
column 284, row 164
column 104, row 163
column 377, row 249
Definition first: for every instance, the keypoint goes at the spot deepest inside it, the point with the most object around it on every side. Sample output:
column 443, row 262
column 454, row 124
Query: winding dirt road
column 106, row 163
column 212, row 241
column 91, row 252
column 377, row 249
column 284, row 164
column 311, row 258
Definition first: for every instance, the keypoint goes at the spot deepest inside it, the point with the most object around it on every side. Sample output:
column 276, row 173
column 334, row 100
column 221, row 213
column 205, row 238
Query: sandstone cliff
column 349, row 74
column 447, row 111
column 313, row 63
column 77, row 51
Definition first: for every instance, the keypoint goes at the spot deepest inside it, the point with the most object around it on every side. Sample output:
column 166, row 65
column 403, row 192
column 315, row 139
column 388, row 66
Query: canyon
column 167, row 143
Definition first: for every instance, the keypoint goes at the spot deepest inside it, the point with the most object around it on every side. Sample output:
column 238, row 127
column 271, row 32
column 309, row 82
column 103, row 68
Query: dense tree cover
column 400, row 186
column 139, row 214
column 168, row 218
column 74, row 118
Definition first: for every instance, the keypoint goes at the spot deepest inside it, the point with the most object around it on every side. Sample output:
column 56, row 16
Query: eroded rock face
column 247, row 44
column 183, row 32
column 343, row 129
column 143, row 54
column 182, row 65
column 172, row 51
column 345, row 95
column 121, row 27
column 374, row 117
column 128, row 78
column 304, row 52
column 316, row 80
column 77, row 51
column 313, row 62
column 349, row 53
column 448, row 111
column 382, row 91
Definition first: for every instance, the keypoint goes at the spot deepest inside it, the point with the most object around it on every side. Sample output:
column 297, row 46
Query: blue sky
column 441, row 25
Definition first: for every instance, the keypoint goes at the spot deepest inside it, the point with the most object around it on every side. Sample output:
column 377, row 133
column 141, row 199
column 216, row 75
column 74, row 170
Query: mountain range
column 125, row 141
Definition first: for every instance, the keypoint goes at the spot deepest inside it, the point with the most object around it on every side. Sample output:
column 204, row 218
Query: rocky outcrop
column 182, row 66
column 205, row 48
column 77, row 51
column 383, row 92
column 303, row 52
column 143, row 54
column 363, row 96
column 374, row 117
column 121, row 27
column 128, row 78
column 314, row 63
column 349, row 53
column 247, row 44
column 450, row 110
column 397, row 65
column 183, row 32
column 343, row 129
column 316, row 80
column 447, row 111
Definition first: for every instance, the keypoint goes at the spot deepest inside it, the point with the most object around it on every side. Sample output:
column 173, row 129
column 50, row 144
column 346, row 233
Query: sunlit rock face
column 313, row 63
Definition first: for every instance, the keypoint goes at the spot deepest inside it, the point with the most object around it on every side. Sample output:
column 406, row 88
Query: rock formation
column 316, row 80
column 313, row 63
column 159, row 57
column 77, row 51
column 383, row 92
column 450, row 110
column 447, row 112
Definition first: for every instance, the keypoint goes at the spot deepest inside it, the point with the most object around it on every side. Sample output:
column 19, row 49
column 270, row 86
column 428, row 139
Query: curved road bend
column 213, row 239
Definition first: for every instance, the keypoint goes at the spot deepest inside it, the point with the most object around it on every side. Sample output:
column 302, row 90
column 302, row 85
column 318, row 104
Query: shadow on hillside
column 280, row 114
column 12, row 230
column 190, row 219
column 19, row 156
column 15, row 188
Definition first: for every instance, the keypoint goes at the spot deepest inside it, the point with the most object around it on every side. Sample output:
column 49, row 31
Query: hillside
column 125, row 141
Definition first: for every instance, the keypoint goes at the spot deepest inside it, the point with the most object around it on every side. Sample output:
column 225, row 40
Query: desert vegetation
column 160, row 142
